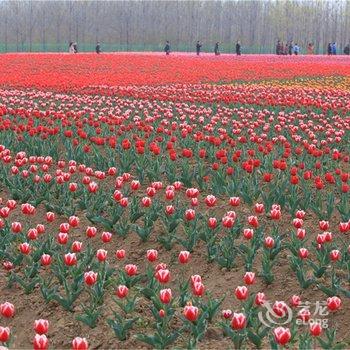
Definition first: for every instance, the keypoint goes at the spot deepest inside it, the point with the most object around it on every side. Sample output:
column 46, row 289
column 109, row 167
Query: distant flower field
column 161, row 202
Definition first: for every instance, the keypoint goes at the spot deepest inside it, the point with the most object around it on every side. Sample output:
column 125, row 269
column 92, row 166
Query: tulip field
column 151, row 201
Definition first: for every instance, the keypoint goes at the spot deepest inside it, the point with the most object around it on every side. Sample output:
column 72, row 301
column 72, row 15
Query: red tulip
column 300, row 214
column 16, row 227
column 333, row 303
column 7, row 309
column 122, row 291
column 90, row 278
column 344, row 227
column 64, row 227
column 62, row 238
column 190, row 214
column 80, row 344
column 282, row 335
column 253, row 221
column 324, row 225
column 152, row 255
column 146, row 202
column 77, row 246
column 260, row 299
column 24, row 248
column 73, row 221
column 228, row 221
column 235, row 201
column 241, row 292
column 198, row 289
column 301, row 233
column 295, row 300
column 45, row 260
column 249, row 278
column 130, row 269
column 191, row 312
column 280, row 308
column 101, row 255
column 238, row 321
column 259, row 208
column 163, row 275
column 212, row 222
column 210, row 200
column 165, row 296
column 50, row 217
column 40, row 228
column 335, row 255
column 70, row 259
column 27, row 209
column 269, row 242
column 303, row 253
column 106, row 237
column 91, row 231
column 4, row 334
column 184, row 257
column 315, row 329
column 41, row 326
column 226, row 314
column 120, row 254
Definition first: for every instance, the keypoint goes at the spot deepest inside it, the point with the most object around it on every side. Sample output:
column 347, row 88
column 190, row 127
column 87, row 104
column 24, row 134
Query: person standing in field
column 238, row 48
column 278, row 47
column 98, row 48
column 71, row 47
column 285, row 51
column 334, row 49
column 75, row 47
column 296, row 49
column 329, row 49
column 290, row 47
column 310, row 49
column 198, row 47
column 167, row 48
column 216, row 49
column 347, row 50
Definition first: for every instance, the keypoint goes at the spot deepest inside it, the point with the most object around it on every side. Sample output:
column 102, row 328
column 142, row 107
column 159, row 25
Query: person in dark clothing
column 216, row 49
column 198, row 47
column 167, row 48
column 290, row 47
column 278, row 45
column 334, row 49
column 75, row 46
column 238, row 48
column 285, row 50
column 98, row 48
column 329, row 49
column 347, row 50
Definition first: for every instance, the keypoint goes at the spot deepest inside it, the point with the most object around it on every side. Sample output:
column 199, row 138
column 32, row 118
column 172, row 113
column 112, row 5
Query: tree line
column 146, row 25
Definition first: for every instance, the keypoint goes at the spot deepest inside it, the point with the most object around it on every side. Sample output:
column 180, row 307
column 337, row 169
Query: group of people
column 289, row 48
column 199, row 48
column 332, row 48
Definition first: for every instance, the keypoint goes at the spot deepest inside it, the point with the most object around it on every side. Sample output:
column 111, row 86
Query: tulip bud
column 184, row 257
column 80, row 344
column 7, row 309
column 282, row 335
column 41, row 326
column 238, row 321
